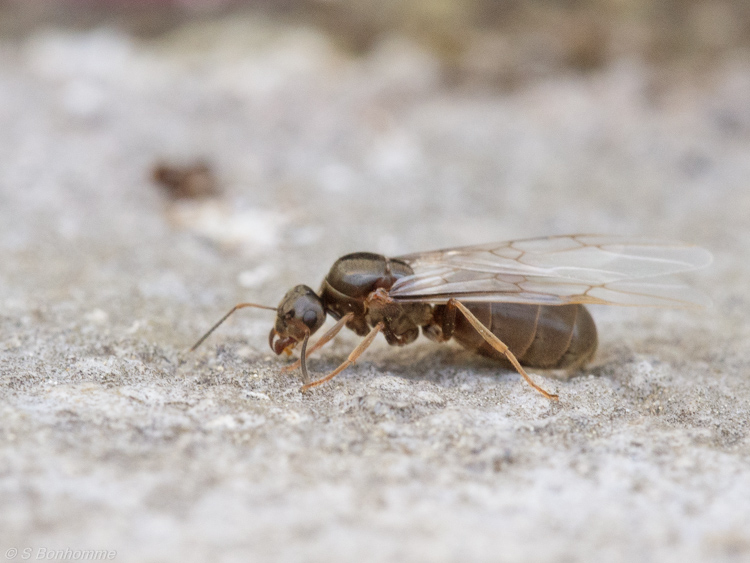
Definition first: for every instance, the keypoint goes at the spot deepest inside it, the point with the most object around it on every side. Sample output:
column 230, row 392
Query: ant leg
column 443, row 323
column 356, row 353
column 322, row 341
column 225, row 317
column 498, row 345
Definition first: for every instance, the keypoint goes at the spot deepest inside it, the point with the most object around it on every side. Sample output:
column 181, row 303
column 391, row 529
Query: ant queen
column 520, row 302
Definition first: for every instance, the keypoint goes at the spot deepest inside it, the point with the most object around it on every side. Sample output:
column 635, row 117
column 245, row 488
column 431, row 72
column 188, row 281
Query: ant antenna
column 225, row 317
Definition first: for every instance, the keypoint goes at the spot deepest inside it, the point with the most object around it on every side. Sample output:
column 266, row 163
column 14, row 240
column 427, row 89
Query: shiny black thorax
column 349, row 287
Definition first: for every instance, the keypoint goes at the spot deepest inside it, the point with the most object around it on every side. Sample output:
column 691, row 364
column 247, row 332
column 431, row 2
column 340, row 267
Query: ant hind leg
column 498, row 345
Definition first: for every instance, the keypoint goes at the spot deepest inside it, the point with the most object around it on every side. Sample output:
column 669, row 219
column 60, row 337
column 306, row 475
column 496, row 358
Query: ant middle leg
column 356, row 353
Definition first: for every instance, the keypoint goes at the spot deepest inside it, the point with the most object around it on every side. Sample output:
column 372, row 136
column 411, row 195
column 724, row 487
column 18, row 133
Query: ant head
column 299, row 315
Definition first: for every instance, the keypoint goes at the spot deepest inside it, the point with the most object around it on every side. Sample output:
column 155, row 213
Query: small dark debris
column 190, row 181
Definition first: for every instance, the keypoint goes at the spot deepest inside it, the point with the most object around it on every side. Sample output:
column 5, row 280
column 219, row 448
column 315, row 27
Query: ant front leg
column 322, row 341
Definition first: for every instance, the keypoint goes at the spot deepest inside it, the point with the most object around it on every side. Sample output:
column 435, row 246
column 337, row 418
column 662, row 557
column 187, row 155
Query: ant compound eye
column 302, row 303
column 310, row 318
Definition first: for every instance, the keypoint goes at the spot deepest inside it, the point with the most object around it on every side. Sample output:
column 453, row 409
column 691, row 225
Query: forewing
column 556, row 270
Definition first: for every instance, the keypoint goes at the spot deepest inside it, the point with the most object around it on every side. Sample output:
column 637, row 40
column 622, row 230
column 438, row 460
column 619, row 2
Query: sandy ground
column 112, row 437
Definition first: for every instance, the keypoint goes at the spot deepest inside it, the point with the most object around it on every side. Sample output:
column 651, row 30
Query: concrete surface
column 112, row 437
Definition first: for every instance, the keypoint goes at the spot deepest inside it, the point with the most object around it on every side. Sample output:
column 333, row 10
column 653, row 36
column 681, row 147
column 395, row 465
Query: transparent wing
column 592, row 269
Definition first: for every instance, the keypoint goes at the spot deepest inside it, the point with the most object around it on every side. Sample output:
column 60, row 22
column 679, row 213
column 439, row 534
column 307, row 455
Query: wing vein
column 556, row 270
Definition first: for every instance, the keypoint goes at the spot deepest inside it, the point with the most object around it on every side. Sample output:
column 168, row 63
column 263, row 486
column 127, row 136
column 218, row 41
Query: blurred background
column 405, row 126
column 161, row 161
column 496, row 42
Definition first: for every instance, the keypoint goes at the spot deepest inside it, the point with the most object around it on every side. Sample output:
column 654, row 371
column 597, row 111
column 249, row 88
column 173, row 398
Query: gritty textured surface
column 113, row 437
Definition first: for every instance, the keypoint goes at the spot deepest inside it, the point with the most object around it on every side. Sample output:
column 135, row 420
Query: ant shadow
column 425, row 361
